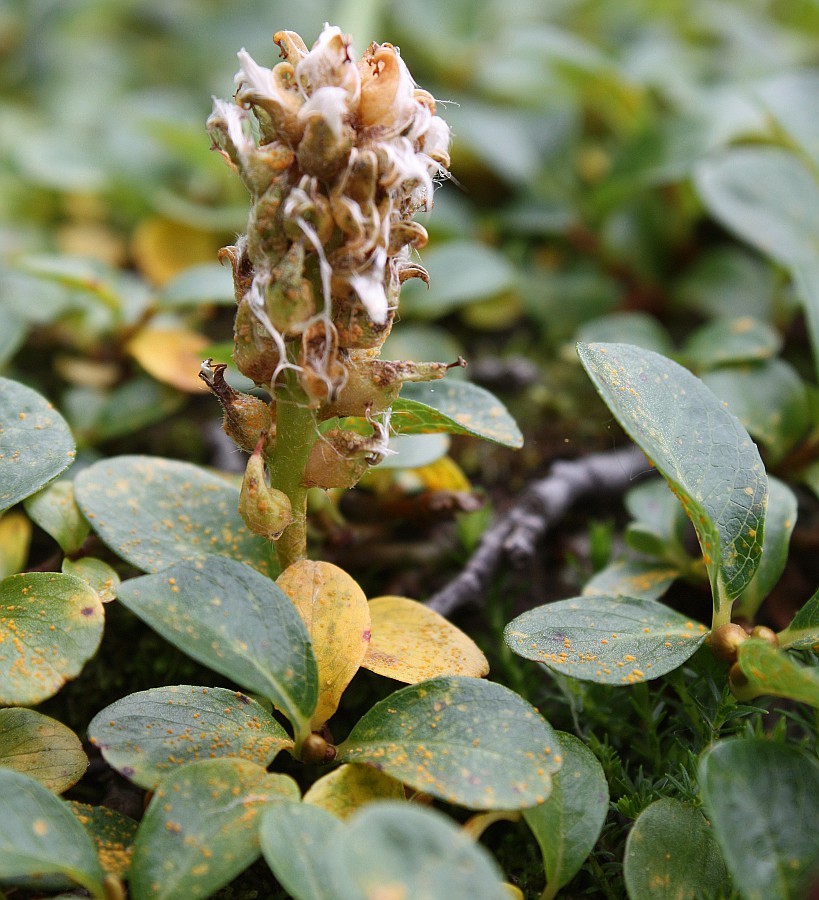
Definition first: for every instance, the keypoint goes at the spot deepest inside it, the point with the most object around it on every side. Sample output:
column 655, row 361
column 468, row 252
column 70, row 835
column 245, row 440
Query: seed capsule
column 264, row 509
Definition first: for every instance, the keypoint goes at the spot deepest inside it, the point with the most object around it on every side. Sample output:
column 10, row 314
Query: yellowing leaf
column 171, row 355
column 411, row 643
column 15, row 537
column 162, row 249
column 443, row 475
column 349, row 787
column 337, row 616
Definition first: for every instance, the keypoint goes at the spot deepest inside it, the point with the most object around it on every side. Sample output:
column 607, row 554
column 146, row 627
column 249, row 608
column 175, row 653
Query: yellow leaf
column 15, row 537
column 349, row 787
column 443, row 475
column 411, row 643
column 337, row 616
column 162, row 248
column 171, row 355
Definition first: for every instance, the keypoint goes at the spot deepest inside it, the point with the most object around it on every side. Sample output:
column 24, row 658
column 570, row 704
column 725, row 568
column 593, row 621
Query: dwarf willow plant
column 337, row 155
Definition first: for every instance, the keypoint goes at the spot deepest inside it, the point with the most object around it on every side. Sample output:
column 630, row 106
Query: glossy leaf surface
column 40, row 838
column 156, row 512
column 201, row 828
column 568, row 824
column 35, row 442
column 411, row 643
column 41, row 747
column 227, row 616
column 700, row 448
column 672, row 854
column 50, row 626
column 337, row 617
column 55, row 511
column 96, row 573
column 455, row 407
column 760, row 797
column 146, row 735
column 464, row 740
column 610, row 640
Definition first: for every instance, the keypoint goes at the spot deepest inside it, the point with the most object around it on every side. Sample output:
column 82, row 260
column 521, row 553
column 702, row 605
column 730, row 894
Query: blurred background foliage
column 591, row 198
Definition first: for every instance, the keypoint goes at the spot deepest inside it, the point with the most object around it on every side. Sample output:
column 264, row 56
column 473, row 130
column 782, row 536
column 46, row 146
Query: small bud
column 255, row 352
column 265, row 510
column 315, row 749
column 765, row 634
column 726, row 639
column 246, row 416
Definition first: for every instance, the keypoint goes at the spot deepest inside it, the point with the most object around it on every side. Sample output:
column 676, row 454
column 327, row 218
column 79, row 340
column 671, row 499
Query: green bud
column 265, row 510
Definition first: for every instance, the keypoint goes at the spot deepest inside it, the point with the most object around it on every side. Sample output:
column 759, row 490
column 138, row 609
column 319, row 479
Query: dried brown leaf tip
column 338, row 156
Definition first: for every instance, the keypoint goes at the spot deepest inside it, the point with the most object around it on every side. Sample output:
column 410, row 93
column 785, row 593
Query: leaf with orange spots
column 463, row 740
column 41, row 842
column 337, row 616
column 227, row 616
column 671, row 852
column 156, row 512
column 411, row 643
column 201, row 828
column 610, row 640
column 628, row 577
column 41, row 747
column 702, row 450
column 146, row 735
column 774, row 672
column 112, row 833
column 171, row 355
column 95, row 572
column 348, row 788
column 50, row 626
column 568, row 824
column 35, row 443
column 454, row 407
column 760, row 798
column 390, row 850
column 56, row 512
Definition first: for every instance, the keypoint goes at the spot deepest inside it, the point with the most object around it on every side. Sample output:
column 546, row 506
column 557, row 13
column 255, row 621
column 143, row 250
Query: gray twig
column 542, row 505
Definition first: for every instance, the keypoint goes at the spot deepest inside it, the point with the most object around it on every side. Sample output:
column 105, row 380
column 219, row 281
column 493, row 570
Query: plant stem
column 295, row 436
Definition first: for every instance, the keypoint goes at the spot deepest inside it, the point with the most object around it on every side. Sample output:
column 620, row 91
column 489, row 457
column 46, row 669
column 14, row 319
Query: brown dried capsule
column 766, row 634
column 264, row 509
column 315, row 749
column 245, row 417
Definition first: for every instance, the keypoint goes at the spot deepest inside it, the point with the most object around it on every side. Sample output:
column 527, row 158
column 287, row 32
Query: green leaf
column 156, row 512
column 609, row 640
column 416, row 852
column 803, row 632
column 734, row 340
column 201, row 828
column 411, row 451
column 456, row 407
column 96, row 573
column 769, row 399
column 767, row 196
column 296, row 839
column 760, row 797
column 793, row 100
column 645, row 580
column 464, row 740
column 806, row 281
column 51, row 625
column 460, row 272
column 227, row 616
column 568, row 824
column 632, row 327
column 146, row 735
column 113, row 834
column 672, row 854
column 700, row 448
column 780, row 520
column 771, row 671
column 42, row 748
column 95, row 278
column 196, row 285
column 55, row 511
column 35, row 443
column 40, row 838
